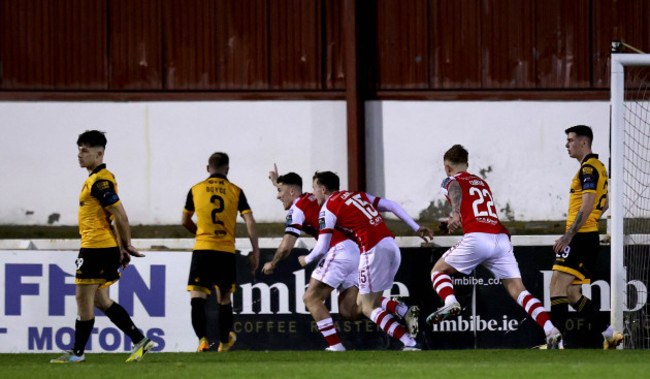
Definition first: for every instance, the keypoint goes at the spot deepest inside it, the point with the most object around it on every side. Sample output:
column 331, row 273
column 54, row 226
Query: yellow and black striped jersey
column 216, row 202
column 98, row 193
column 592, row 177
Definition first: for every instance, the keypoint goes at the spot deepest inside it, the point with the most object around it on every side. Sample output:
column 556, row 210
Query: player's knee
column 351, row 314
column 100, row 305
column 308, row 297
column 557, row 287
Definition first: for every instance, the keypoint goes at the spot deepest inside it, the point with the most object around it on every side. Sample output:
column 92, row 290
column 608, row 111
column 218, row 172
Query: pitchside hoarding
column 37, row 305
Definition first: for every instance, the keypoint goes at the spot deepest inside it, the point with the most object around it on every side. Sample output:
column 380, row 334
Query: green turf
column 482, row 364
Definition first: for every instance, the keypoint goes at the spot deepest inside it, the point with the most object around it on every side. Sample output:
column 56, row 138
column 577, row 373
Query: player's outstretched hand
column 302, row 261
column 134, row 252
column 268, row 268
column 125, row 259
column 561, row 243
column 425, row 233
column 253, row 261
column 273, row 175
column 453, row 222
column 126, row 253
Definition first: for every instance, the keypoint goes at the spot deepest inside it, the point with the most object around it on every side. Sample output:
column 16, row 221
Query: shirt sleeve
column 243, row 206
column 295, row 219
column 373, row 200
column 326, row 220
column 445, row 185
column 385, row 205
column 189, row 202
column 104, row 191
column 322, row 245
column 588, row 178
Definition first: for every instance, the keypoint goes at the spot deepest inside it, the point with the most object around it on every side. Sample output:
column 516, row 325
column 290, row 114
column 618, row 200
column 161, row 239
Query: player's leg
column 337, row 269
column 377, row 269
column 199, row 319
column 570, row 271
column 535, row 310
column 444, row 287
column 199, row 286
column 317, row 292
column 560, row 282
column 503, row 264
column 95, row 267
column 84, row 294
column 410, row 314
column 581, row 260
column 442, row 283
column 349, row 309
column 227, row 336
column 371, row 307
column 225, row 279
column 586, row 309
column 119, row 316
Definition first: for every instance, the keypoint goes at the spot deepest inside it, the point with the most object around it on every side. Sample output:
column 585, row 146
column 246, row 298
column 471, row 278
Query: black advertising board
column 270, row 314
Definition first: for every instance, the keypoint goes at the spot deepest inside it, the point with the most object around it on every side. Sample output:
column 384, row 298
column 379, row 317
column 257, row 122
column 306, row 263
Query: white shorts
column 378, row 266
column 338, row 268
column 493, row 251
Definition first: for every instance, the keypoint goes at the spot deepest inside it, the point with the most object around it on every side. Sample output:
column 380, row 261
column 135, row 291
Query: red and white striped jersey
column 303, row 216
column 354, row 214
column 477, row 210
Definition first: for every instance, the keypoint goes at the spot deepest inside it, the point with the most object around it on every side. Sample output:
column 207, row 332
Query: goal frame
column 616, row 186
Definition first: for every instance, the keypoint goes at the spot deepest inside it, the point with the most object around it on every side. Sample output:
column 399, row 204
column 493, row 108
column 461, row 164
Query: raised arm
column 273, row 175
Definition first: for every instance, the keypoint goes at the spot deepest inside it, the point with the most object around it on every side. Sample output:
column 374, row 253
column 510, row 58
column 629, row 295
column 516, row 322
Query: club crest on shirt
column 289, row 219
column 321, row 220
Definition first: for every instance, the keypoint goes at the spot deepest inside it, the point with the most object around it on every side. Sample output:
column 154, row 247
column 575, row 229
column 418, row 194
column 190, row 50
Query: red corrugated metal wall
column 297, row 45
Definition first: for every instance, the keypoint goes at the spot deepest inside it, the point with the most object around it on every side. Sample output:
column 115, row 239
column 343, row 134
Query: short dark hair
column 581, row 130
column 92, row 138
column 218, row 160
column 328, row 179
column 291, row 179
column 457, row 155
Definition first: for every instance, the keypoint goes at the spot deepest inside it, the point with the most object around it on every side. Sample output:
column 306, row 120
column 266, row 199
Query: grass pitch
column 482, row 364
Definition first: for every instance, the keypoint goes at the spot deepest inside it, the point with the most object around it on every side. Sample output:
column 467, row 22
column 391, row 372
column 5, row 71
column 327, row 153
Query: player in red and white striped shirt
column 336, row 270
column 356, row 214
column 485, row 242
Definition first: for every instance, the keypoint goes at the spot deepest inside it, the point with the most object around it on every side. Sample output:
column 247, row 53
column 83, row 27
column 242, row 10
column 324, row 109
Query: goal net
column 630, row 197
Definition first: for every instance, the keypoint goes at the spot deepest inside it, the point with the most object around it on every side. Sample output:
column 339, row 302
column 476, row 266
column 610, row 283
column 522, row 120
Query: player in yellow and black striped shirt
column 575, row 251
column 216, row 202
column 103, row 251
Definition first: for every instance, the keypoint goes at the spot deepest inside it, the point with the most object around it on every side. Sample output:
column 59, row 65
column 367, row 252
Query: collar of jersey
column 220, row 176
column 588, row 156
column 98, row 169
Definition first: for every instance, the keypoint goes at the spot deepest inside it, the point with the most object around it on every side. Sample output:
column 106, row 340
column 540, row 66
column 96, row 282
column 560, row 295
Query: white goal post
column 617, row 184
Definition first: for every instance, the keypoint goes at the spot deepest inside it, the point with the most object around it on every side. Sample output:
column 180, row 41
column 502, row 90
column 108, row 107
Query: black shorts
column 212, row 268
column 579, row 258
column 98, row 266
